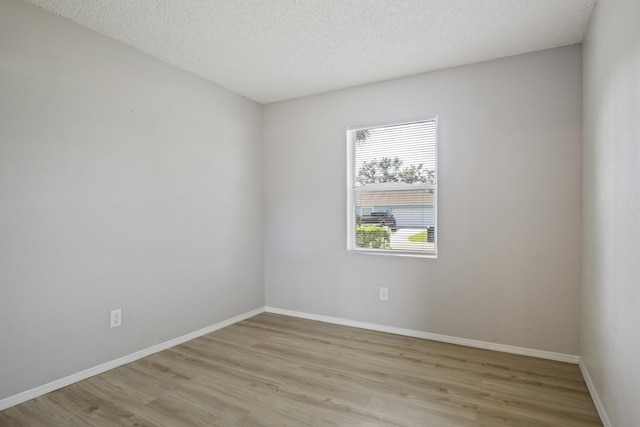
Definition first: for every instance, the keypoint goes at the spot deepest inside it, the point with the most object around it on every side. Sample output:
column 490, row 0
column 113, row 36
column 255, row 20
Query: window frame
column 352, row 189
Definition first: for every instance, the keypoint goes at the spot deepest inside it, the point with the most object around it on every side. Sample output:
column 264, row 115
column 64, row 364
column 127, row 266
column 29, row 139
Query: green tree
column 362, row 135
column 418, row 174
column 390, row 170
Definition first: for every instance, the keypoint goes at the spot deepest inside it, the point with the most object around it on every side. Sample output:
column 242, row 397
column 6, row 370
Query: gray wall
column 124, row 183
column 127, row 183
column 610, row 337
column 509, row 209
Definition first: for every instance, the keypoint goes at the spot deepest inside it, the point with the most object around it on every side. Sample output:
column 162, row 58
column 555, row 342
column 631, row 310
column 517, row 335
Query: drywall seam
column 541, row 354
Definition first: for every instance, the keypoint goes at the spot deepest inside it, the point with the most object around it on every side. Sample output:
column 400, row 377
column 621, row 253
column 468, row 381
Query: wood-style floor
column 274, row 370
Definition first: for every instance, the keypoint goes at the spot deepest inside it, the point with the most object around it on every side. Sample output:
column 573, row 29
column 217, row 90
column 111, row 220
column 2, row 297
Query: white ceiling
column 272, row 50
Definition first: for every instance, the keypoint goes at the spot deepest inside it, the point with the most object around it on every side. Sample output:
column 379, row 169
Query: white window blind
column 392, row 188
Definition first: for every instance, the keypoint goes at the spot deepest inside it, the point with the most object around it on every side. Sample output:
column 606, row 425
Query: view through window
column 392, row 175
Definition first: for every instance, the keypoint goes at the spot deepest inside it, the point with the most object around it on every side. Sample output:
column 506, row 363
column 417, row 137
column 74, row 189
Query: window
column 392, row 178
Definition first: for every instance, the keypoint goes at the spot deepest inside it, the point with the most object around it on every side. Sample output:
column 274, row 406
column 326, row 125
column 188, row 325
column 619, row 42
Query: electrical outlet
column 116, row 318
column 384, row 294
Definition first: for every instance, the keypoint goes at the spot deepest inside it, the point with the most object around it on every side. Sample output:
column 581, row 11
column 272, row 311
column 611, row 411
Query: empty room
column 320, row 212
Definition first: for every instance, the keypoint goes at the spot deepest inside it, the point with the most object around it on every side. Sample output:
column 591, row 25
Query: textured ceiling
column 271, row 50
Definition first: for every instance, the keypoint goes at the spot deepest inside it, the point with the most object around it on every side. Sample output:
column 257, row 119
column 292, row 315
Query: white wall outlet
column 116, row 318
column 384, row 294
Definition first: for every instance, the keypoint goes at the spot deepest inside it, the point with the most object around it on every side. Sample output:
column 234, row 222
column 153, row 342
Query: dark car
column 382, row 219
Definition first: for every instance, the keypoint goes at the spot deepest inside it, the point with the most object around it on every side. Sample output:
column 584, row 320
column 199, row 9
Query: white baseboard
column 63, row 382
column 542, row 354
column 594, row 395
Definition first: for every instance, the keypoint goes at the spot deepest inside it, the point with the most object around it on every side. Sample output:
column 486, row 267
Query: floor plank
column 274, row 370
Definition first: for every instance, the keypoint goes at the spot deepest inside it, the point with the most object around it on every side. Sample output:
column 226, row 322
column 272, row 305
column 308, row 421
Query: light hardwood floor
column 274, row 370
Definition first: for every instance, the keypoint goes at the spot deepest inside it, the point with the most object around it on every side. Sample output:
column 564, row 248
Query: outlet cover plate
column 116, row 318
